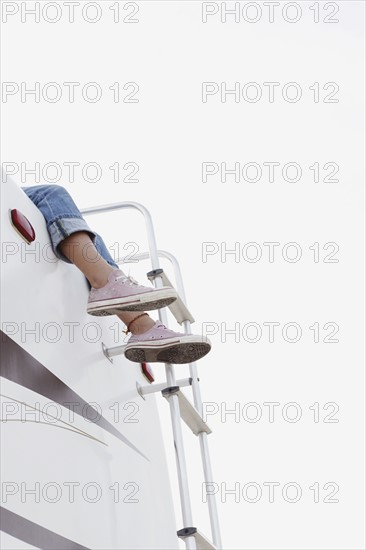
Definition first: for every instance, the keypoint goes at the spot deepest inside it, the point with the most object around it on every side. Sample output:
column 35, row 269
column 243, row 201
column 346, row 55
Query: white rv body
column 83, row 463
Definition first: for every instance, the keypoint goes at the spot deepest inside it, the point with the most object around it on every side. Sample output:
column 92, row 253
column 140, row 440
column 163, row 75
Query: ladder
column 181, row 407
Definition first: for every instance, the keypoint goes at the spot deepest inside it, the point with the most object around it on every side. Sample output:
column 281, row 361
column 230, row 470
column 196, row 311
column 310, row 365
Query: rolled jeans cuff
column 62, row 228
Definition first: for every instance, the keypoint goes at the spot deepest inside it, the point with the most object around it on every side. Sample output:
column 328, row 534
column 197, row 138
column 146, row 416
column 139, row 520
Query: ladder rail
column 190, row 541
column 148, row 222
column 197, row 399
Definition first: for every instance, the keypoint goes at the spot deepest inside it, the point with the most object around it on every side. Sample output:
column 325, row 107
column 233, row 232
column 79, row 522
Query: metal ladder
column 180, row 406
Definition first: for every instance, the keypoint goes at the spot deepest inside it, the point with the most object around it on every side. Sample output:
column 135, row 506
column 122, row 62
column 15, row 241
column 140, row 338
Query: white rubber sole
column 155, row 299
column 182, row 349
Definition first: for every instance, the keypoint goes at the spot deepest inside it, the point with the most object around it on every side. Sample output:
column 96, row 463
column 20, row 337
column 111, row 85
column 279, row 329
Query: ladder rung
column 202, row 542
column 154, row 388
column 178, row 307
column 113, row 352
column 188, row 412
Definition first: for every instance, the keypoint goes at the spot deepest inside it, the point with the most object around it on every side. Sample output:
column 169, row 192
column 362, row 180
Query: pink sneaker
column 160, row 344
column 123, row 293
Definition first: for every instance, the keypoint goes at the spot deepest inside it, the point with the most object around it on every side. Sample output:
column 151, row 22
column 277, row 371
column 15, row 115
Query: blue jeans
column 63, row 218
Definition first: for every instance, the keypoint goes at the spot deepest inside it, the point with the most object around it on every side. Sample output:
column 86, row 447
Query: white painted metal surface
column 89, row 486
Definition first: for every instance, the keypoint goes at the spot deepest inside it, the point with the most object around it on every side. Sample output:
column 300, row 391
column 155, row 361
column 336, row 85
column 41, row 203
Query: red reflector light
column 22, row 225
column 147, row 372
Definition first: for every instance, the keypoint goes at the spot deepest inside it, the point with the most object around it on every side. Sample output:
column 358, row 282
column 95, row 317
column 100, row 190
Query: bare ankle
column 141, row 325
column 98, row 282
column 100, row 278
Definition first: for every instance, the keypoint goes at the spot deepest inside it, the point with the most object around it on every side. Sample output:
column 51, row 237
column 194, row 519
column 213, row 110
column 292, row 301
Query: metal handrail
column 148, row 221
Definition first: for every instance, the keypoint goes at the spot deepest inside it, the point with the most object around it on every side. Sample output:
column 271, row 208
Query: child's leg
column 63, row 218
column 80, row 250
column 74, row 242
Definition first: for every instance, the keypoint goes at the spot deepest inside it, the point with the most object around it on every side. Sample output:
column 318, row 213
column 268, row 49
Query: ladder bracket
column 154, row 273
column 105, row 352
column 167, row 392
column 187, row 532
column 178, row 307
column 202, row 542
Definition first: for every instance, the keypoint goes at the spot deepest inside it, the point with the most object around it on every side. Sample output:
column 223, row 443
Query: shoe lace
column 129, row 279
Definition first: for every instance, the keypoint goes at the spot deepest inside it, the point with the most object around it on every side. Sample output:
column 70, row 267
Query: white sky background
column 169, row 133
